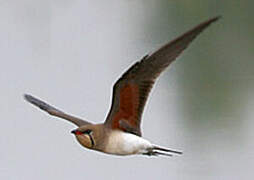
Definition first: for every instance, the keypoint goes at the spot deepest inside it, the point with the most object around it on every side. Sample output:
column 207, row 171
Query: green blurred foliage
column 215, row 76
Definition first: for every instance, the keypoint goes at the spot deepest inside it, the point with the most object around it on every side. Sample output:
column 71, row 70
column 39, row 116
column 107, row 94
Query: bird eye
column 88, row 131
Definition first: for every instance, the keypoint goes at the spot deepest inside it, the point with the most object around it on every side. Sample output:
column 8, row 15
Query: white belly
column 122, row 143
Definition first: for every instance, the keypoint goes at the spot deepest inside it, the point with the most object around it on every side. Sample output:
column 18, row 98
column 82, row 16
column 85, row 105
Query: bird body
column 120, row 134
column 122, row 143
column 100, row 138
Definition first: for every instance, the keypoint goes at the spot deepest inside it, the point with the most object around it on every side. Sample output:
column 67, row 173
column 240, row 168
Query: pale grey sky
column 70, row 53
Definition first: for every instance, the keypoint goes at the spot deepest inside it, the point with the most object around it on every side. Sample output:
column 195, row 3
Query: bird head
column 85, row 135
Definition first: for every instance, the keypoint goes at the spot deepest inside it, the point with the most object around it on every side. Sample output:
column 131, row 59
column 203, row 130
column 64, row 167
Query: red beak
column 76, row 132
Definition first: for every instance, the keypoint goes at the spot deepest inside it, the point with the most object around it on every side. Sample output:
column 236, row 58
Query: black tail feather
column 167, row 150
column 157, row 153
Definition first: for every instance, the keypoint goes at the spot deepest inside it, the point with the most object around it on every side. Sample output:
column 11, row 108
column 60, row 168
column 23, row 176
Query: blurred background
column 70, row 53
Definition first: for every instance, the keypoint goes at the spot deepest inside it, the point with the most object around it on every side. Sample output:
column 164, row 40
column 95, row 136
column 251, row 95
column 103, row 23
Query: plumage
column 130, row 92
column 120, row 134
column 55, row 112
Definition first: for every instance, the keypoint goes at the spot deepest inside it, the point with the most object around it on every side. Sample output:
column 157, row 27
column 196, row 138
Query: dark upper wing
column 130, row 92
column 53, row 111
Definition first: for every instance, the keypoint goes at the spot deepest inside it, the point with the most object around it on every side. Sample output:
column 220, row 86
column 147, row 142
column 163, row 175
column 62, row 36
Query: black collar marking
column 91, row 139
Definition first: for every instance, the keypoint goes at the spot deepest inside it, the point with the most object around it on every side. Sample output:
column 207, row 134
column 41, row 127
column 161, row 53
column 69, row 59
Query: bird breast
column 122, row 143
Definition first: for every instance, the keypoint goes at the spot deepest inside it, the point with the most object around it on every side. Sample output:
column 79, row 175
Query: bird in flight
column 120, row 134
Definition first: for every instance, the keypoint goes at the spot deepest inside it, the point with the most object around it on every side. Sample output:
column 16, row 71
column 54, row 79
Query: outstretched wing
column 54, row 112
column 130, row 92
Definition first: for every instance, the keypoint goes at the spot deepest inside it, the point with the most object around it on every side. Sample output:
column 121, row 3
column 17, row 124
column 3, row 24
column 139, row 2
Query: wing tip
column 214, row 19
column 33, row 100
column 206, row 23
column 209, row 22
column 29, row 98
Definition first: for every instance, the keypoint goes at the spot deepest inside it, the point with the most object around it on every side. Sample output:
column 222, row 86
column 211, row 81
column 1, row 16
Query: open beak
column 73, row 131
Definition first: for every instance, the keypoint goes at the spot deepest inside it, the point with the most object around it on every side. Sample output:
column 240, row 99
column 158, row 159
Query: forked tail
column 156, row 151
